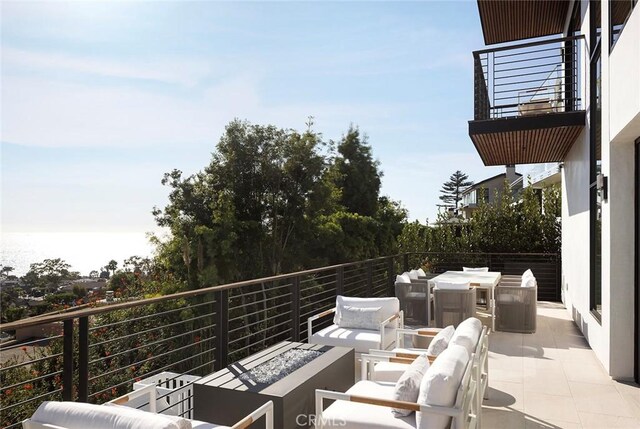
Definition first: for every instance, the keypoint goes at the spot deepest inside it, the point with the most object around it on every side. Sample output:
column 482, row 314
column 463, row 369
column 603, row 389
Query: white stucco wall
column 611, row 338
column 621, row 79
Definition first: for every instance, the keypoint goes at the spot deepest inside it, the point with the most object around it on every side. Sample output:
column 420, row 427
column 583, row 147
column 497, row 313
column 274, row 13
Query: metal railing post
column 392, row 276
column 222, row 329
column 83, row 359
column 67, row 360
column 295, row 309
column 340, row 280
column 369, row 279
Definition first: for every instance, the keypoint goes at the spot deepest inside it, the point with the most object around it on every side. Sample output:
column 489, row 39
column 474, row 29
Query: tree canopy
column 274, row 200
column 452, row 189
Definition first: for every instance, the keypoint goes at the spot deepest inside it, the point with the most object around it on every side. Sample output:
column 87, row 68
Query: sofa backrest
column 388, row 307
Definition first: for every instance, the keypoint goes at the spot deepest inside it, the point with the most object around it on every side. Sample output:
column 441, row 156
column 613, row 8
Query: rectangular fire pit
column 287, row 374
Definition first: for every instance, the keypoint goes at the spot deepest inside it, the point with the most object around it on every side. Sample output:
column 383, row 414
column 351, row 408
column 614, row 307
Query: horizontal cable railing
column 529, row 79
column 96, row 354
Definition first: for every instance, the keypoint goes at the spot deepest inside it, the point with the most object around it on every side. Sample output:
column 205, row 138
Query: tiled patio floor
column 552, row 379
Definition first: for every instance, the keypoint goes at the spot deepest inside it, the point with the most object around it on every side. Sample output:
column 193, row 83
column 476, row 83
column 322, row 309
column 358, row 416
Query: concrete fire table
column 287, row 374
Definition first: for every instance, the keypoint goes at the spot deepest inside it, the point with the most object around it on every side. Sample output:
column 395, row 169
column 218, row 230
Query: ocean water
column 84, row 251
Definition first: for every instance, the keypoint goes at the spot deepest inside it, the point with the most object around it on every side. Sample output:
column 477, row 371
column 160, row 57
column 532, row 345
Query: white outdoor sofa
column 447, row 399
column 376, row 329
column 116, row 415
column 389, row 365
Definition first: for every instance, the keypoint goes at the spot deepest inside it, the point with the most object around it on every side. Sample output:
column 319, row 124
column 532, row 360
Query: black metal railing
column 528, row 79
column 96, row 354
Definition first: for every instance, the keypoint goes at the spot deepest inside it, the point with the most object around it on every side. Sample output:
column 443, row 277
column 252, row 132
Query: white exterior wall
column 621, row 122
column 612, row 338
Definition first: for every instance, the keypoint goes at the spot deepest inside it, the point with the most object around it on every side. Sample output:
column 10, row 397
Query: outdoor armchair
column 516, row 303
column 116, row 415
column 454, row 302
column 415, row 299
column 359, row 323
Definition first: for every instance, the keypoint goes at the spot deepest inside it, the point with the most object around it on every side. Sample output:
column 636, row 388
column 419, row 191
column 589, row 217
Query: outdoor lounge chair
column 446, row 399
column 116, row 415
column 360, row 323
column 516, row 303
column 412, row 293
column 454, row 302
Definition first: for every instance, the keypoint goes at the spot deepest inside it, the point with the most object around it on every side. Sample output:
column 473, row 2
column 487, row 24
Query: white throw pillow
column 440, row 342
column 440, row 386
column 360, row 317
column 413, row 274
column 475, row 270
column 78, row 415
column 408, row 385
column 527, row 273
column 467, row 334
column 455, row 285
column 421, row 272
column 402, row 278
column 388, row 306
column 528, row 281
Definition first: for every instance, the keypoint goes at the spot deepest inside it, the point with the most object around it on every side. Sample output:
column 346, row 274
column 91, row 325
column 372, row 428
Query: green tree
column 48, row 274
column 112, row 266
column 358, row 176
column 452, row 189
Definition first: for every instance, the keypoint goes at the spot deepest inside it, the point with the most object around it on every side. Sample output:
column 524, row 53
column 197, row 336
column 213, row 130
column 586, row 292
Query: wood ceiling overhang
column 526, row 140
column 509, row 20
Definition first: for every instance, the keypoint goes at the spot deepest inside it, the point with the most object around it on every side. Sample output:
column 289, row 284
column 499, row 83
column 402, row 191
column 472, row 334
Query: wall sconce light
column 602, row 184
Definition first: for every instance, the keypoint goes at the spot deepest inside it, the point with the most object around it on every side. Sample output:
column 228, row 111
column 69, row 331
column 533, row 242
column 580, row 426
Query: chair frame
column 399, row 315
column 265, row 410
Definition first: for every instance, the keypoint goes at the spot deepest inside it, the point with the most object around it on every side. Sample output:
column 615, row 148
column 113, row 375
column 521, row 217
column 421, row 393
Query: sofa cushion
column 361, row 317
column 388, row 307
column 440, row 342
column 467, row 334
column 78, row 415
column 362, row 340
column 354, row 415
column 408, row 385
column 440, row 386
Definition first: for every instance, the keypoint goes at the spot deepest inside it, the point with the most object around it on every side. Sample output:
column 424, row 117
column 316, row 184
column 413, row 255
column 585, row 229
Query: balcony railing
column 96, row 354
column 528, row 79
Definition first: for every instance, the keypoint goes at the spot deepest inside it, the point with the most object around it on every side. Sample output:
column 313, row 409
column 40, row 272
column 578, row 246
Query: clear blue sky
column 100, row 99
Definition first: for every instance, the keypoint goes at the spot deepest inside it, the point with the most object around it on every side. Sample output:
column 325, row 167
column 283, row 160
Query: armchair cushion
column 421, row 272
column 403, row 278
column 440, row 342
column 475, row 270
column 388, row 307
column 440, row 386
column 467, row 334
column 360, row 317
column 408, row 386
column 354, row 415
column 77, row 415
column 528, row 281
column 362, row 340
column 413, row 274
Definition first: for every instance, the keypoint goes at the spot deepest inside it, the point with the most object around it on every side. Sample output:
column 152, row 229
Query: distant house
column 485, row 191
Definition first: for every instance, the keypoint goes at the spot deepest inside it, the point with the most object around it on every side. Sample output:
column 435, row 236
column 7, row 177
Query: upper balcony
column 528, row 101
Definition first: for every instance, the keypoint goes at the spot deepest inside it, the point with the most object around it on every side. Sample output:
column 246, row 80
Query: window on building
column 595, row 197
column 619, row 12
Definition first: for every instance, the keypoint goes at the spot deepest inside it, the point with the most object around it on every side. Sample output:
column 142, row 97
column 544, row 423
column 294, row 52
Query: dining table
column 487, row 280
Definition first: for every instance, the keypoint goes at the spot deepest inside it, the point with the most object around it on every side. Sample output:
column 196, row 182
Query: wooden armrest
column 323, row 314
column 390, row 319
column 265, row 410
